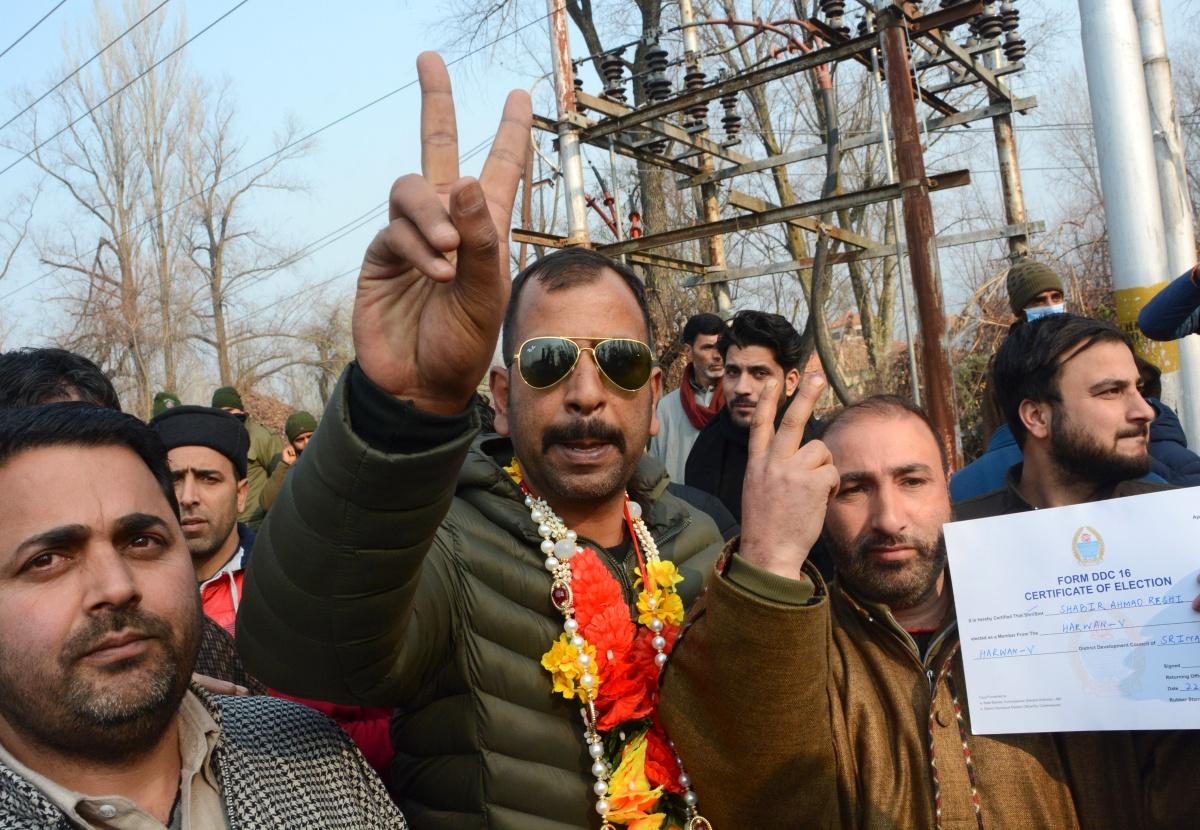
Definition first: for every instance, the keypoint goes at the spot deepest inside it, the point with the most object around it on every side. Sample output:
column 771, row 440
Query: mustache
column 84, row 641
column 880, row 540
column 584, row 429
column 1135, row 432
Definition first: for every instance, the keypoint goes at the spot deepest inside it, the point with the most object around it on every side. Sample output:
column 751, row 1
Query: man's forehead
column 196, row 457
column 751, row 356
column 1109, row 358
column 598, row 306
column 882, row 441
column 91, row 486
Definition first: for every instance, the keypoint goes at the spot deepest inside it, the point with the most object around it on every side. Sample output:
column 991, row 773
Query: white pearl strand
column 560, row 545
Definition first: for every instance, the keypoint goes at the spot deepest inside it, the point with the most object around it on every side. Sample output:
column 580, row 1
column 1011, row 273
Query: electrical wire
column 82, row 66
column 10, row 46
column 126, row 86
column 286, row 147
column 307, row 250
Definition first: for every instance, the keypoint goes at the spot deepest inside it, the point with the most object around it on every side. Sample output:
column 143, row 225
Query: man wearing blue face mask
column 1034, row 290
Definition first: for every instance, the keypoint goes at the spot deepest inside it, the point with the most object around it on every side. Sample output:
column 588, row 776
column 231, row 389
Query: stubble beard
column 899, row 585
column 64, row 710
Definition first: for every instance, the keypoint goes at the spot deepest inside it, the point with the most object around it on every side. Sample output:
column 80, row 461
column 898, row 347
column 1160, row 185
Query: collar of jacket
column 945, row 639
column 1014, row 502
column 484, row 485
column 31, row 804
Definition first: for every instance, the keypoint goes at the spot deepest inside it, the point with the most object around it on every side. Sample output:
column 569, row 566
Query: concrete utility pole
column 1128, row 176
column 569, row 152
column 1172, row 188
column 707, row 201
column 918, row 229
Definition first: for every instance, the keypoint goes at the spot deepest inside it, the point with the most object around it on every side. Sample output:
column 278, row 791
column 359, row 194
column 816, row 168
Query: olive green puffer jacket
column 379, row 580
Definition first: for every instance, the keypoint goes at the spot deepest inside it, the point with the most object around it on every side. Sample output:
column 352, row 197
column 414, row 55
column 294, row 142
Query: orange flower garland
column 612, row 666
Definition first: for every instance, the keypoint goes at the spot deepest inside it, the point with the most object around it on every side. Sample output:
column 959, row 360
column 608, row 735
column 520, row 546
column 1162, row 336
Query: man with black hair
column 408, row 564
column 756, row 348
column 99, row 630
column 683, row 412
column 29, row 377
column 1070, row 390
column 849, row 695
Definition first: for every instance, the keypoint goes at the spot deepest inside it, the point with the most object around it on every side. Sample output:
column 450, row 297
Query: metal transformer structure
column 919, row 52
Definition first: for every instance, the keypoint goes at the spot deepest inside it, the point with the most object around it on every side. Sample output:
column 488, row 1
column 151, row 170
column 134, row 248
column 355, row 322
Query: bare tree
column 15, row 230
column 97, row 163
column 228, row 252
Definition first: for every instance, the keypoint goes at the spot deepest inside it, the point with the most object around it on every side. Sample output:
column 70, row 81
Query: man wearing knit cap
column 164, row 401
column 299, row 428
column 1032, row 285
column 206, row 451
column 264, row 445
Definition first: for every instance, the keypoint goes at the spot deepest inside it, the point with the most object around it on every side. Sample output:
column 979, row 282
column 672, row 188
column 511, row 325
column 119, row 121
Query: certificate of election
column 1080, row 618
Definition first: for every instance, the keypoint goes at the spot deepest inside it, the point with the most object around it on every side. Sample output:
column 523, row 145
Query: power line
column 283, row 149
column 126, row 86
column 315, row 245
column 82, row 66
column 8, row 48
column 365, row 218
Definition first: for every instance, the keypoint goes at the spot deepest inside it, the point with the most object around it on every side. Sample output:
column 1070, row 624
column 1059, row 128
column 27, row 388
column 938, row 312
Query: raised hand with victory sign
column 435, row 282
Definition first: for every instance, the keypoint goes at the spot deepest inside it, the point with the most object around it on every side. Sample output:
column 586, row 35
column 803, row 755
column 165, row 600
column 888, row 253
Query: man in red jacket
column 206, row 449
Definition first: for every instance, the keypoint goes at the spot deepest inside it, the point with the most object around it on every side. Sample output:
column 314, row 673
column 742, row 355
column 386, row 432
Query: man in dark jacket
column 401, row 564
column 850, row 697
column 1173, row 312
column 1070, row 391
column 756, row 348
column 99, row 628
column 264, row 446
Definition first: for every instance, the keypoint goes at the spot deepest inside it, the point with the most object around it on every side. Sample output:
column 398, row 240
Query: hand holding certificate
column 1081, row 618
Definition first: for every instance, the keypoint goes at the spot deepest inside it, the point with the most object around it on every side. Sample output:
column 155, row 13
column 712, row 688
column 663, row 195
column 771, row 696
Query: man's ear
column 498, row 384
column 243, row 489
column 1037, row 416
column 687, row 352
column 656, row 377
column 790, row 381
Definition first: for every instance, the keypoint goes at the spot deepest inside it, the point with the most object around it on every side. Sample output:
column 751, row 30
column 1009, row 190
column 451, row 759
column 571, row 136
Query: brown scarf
column 697, row 414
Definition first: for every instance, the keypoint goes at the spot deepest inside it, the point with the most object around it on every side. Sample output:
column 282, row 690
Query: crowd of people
column 612, row 608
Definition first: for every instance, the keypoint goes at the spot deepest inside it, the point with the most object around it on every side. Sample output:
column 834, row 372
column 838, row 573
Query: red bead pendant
column 560, row 595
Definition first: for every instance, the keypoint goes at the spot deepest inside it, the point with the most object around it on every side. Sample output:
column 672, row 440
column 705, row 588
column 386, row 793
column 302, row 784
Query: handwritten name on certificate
column 1080, row 618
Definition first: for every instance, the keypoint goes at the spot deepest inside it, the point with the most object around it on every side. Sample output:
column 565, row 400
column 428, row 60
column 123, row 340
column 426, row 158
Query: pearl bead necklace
column 560, row 545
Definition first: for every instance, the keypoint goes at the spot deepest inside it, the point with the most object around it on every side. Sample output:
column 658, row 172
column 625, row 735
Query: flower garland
column 611, row 665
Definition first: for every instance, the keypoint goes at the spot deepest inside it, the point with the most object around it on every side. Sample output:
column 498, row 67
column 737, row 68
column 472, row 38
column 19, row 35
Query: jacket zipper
column 619, row 566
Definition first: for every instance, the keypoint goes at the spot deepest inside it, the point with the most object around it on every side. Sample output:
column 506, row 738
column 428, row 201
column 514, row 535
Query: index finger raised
column 791, row 430
column 762, row 422
column 439, row 128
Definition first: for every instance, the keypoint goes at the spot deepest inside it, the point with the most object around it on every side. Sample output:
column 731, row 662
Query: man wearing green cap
column 264, row 445
column 299, row 429
column 164, row 401
column 1034, row 290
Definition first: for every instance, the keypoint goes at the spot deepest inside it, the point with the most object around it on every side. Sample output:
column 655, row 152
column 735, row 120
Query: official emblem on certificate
column 1088, row 546
column 1080, row 618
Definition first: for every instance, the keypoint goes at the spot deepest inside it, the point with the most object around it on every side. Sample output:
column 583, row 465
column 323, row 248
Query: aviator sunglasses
column 545, row 361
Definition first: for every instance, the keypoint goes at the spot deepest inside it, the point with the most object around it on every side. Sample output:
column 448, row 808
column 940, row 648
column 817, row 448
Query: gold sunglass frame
column 579, row 350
